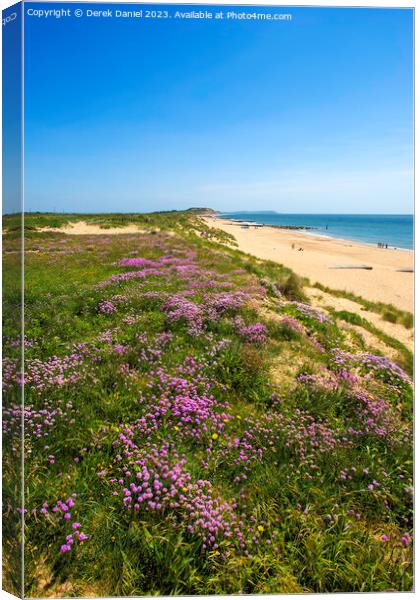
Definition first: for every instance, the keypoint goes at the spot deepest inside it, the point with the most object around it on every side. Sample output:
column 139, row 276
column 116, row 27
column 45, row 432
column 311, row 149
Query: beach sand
column 83, row 228
column 321, row 254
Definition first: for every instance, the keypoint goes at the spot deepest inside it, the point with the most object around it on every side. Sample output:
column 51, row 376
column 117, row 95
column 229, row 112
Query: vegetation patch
column 193, row 421
column 387, row 311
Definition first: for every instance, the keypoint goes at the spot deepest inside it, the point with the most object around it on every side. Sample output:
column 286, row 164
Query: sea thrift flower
column 293, row 324
column 306, row 310
column 106, row 307
column 256, row 333
column 380, row 366
column 137, row 262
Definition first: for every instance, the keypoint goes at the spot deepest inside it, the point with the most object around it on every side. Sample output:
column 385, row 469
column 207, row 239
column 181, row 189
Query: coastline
column 350, row 241
column 331, row 261
column 300, row 229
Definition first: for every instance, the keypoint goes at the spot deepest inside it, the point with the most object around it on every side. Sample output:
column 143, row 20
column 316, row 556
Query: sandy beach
column 320, row 257
column 83, row 228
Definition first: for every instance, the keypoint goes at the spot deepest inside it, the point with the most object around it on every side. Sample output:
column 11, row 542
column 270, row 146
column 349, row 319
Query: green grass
column 317, row 530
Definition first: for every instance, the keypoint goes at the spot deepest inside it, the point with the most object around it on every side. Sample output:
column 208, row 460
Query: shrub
column 389, row 316
column 292, row 288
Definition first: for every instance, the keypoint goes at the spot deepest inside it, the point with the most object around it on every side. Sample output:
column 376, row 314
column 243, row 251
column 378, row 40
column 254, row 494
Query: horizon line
column 221, row 212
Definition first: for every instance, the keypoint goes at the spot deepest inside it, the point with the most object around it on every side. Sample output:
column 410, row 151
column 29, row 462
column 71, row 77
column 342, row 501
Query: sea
column 395, row 230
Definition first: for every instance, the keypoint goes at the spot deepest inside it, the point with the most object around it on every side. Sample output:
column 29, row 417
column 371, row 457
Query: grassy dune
column 193, row 425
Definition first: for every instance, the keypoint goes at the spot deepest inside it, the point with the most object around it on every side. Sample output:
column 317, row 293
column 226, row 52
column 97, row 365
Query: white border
column 319, row 3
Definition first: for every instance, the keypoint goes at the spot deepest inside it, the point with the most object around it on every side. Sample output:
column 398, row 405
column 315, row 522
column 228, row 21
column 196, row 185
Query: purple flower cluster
column 293, row 324
column 58, row 372
column 380, row 366
column 12, row 374
column 309, row 311
column 17, row 342
column 156, row 480
column 255, row 333
column 151, row 268
column 328, row 381
column 143, row 274
column 38, row 422
column 405, row 539
column 224, row 302
column 106, row 307
column 303, row 434
column 138, row 263
column 242, row 453
column 179, row 308
column 59, row 514
column 375, row 415
column 183, row 401
column 151, row 350
column 368, row 412
column 55, row 371
column 300, row 433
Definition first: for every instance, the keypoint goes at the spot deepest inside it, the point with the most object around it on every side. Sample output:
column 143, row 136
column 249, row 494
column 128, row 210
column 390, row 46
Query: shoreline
column 306, row 230
column 347, row 240
column 334, row 262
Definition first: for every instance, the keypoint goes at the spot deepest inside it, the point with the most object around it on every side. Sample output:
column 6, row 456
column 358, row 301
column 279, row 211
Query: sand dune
column 83, row 228
column 321, row 256
column 395, row 330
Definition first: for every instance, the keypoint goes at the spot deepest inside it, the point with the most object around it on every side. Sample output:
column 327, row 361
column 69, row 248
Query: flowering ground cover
column 165, row 453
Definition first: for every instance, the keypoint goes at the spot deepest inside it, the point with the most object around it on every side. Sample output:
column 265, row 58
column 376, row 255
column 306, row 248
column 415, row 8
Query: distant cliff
column 203, row 211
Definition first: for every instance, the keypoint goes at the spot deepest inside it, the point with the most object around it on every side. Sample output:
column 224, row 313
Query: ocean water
column 394, row 230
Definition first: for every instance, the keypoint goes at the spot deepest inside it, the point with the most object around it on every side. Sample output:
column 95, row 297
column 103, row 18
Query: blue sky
column 12, row 111
column 312, row 115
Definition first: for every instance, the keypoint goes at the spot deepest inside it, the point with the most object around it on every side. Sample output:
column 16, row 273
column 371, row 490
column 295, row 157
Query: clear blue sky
column 12, row 110
column 312, row 115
